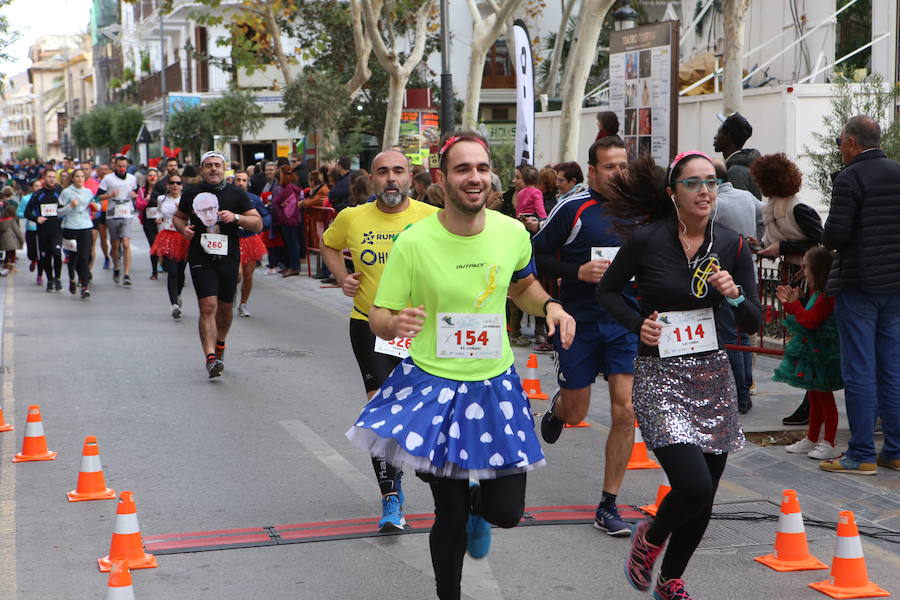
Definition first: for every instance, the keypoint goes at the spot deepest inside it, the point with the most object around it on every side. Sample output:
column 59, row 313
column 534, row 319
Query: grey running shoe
column 214, row 367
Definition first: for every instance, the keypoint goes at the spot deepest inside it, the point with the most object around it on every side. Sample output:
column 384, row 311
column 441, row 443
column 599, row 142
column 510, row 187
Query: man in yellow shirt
column 368, row 231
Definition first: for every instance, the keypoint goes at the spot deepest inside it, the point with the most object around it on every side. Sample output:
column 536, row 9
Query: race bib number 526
column 398, row 347
column 464, row 335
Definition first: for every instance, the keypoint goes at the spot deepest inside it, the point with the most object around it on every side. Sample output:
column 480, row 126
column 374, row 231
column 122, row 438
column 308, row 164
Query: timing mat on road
column 347, row 529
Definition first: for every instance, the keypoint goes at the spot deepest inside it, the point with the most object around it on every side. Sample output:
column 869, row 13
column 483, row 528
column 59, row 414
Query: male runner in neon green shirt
column 455, row 409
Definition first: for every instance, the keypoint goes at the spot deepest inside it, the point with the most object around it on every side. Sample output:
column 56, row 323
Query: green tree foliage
column 873, row 97
column 7, row 38
column 80, row 131
column 502, row 161
column 28, row 152
column 191, row 129
column 236, row 115
column 315, row 101
column 99, row 127
column 324, row 41
column 126, row 123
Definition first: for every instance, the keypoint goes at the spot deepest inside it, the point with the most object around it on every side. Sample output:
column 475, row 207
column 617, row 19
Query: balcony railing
column 151, row 85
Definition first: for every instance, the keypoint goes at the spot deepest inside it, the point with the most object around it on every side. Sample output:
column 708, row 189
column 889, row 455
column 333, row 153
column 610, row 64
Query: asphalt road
column 264, row 445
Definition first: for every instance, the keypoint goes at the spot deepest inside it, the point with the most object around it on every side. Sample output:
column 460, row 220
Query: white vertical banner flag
column 524, row 95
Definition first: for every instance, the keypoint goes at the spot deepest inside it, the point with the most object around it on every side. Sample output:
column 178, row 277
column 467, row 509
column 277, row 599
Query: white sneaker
column 176, row 311
column 271, row 271
column 824, row 451
column 804, row 446
column 242, row 310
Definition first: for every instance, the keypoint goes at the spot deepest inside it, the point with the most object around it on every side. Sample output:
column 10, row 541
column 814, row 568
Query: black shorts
column 215, row 277
column 373, row 366
column 100, row 220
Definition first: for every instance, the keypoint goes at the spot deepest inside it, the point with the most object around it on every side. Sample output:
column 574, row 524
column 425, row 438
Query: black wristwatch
column 548, row 301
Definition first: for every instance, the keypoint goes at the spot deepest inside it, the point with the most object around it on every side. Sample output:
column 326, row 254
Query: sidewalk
column 756, row 476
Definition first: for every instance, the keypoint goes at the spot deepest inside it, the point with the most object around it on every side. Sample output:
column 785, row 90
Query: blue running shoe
column 391, row 514
column 478, row 536
column 398, row 486
column 608, row 519
column 478, row 531
column 106, row 264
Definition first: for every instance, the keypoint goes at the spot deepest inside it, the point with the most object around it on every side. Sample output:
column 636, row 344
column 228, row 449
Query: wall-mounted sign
column 643, row 75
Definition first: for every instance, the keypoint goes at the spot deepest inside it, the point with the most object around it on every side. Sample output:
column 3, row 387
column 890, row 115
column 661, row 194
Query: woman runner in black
column 688, row 269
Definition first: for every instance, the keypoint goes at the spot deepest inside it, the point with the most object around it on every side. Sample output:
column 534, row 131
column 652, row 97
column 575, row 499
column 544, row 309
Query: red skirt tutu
column 252, row 249
column 273, row 242
column 170, row 244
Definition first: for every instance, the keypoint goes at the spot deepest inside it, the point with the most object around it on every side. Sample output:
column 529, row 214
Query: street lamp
column 625, row 17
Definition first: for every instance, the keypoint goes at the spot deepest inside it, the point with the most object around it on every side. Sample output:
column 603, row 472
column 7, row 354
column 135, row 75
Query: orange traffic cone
column 848, row 569
column 119, row 585
column 34, row 446
column 791, row 550
column 663, row 489
column 126, row 539
column 91, row 484
column 4, row 426
column 639, row 458
column 531, row 384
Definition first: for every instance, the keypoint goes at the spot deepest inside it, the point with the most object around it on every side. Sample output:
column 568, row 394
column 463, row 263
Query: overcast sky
column 34, row 18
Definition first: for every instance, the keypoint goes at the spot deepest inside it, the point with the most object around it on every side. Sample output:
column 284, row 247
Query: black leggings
column 150, row 232
column 175, row 278
column 685, row 511
column 500, row 501
column 80, row 260
column 50, row 244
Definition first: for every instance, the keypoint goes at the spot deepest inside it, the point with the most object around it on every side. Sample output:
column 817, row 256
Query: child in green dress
column 812, row 358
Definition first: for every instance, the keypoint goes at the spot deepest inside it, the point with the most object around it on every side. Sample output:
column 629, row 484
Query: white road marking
column 478, row 581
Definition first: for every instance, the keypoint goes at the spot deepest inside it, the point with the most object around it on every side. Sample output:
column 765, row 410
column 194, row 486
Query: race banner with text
column 524, row 95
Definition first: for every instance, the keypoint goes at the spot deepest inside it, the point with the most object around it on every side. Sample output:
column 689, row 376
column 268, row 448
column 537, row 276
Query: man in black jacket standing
column 864, row 228
column 730, row 139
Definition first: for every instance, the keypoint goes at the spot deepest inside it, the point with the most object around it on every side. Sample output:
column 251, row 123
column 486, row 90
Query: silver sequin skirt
column 687, row 400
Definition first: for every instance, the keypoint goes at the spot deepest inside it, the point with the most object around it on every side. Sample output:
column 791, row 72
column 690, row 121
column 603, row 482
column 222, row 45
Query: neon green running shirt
column 447, row 273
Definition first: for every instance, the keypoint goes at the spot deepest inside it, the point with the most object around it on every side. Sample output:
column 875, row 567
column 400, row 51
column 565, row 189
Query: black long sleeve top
column 810, row 223
column 654, row 256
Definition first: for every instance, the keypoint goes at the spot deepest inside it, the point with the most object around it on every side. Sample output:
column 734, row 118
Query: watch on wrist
column 739, row 300
column 548, row 301
column 237, row 217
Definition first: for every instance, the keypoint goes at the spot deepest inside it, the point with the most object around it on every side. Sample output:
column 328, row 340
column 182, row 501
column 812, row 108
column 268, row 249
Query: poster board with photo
column 643, row 91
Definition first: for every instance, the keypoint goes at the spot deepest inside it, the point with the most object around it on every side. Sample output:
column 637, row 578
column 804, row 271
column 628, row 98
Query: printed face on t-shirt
column 206, row 207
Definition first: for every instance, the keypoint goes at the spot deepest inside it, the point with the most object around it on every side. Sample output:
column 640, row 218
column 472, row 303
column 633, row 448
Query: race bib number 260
column 464, row 335
column 214, row 243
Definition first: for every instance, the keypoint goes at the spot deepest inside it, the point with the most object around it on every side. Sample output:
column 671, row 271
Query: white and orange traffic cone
column 4, row 426
column 119, row 583
column 849, row 578
column 531, row 383
column 639, row 457
column 791, row 550
column 126, row 539
column 663, row 489
column 91, row 483
column 34, row 445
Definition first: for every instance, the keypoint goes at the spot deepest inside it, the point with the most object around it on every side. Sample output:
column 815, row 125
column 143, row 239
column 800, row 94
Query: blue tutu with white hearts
column 454, row 429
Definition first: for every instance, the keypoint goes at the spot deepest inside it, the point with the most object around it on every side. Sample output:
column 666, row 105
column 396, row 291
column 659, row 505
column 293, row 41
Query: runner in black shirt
column 209, row 215
column 688, row 268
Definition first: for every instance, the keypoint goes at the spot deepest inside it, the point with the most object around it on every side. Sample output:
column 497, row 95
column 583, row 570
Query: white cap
column 212, row 154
